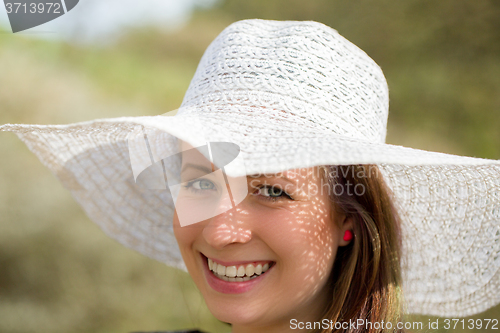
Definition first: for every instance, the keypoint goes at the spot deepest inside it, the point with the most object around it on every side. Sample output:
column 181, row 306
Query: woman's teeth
column 237, row 274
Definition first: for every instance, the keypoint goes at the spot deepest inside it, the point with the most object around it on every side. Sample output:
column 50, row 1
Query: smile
column 238, row 273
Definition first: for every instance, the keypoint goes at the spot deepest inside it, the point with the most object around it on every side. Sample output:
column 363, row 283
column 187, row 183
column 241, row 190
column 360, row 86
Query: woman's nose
column 230, row 227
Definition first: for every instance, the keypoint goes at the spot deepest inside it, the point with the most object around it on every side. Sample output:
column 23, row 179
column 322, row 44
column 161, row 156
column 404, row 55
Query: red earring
column 348, row 235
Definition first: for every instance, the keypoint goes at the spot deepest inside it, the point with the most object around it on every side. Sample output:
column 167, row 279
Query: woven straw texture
column 290, row 95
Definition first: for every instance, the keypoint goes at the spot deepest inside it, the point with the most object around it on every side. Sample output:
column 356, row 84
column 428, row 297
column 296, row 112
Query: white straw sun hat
column 291, row 95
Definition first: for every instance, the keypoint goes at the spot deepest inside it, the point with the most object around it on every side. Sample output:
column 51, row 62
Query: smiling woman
column 274, row 187
column 269, row 258
column 277, row 258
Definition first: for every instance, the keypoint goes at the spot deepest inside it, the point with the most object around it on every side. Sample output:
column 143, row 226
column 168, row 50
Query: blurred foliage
column 59, row 273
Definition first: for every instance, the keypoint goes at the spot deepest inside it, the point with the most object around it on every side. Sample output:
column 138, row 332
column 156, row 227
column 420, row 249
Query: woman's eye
column 273, row 193
column 201, row 185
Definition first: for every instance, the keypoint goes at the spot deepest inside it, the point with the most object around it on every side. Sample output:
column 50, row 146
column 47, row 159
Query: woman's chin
column 240, row 309
column 238, row 315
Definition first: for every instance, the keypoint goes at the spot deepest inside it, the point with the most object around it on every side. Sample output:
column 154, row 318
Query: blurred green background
column 59, row 273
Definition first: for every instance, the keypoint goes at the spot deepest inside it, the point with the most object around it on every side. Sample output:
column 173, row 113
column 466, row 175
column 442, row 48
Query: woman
column 298, row 270
column 276, row 163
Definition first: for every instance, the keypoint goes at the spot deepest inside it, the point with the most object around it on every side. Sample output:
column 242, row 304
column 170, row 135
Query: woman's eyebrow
column 205, row 169
column 274, row 176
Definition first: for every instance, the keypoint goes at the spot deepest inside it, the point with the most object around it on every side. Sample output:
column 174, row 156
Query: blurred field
column 60, row 273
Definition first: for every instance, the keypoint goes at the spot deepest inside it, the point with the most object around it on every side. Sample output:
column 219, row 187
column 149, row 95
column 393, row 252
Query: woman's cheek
column 185, row 236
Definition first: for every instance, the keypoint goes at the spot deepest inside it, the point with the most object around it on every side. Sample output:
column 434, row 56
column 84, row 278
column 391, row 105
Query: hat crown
column 303, row 73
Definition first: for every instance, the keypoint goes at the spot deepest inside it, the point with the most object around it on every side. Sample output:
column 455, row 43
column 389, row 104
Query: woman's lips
column 235, row 278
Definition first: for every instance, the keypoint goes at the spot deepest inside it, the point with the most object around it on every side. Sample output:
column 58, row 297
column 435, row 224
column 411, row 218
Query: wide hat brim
column 450, row 205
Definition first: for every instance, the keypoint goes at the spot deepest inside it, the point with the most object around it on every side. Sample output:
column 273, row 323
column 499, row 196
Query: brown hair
column 366, row 276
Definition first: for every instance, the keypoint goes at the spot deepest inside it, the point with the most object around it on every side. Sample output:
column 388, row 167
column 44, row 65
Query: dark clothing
column 195, row 331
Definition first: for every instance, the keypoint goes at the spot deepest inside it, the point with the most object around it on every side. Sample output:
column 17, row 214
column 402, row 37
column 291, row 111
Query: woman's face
column 284, row 229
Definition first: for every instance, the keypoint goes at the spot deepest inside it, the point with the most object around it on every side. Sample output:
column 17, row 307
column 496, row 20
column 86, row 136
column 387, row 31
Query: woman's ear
column 346, row 230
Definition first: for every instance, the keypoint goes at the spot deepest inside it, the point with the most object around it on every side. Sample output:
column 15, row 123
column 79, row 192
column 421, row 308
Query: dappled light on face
column 226, row 229
column 304, row 238
column 285, row 221
column 312, row 230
